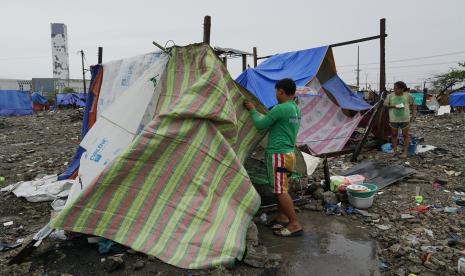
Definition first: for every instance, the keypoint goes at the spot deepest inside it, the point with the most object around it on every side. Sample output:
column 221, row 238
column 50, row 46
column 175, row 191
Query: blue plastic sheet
column 74, row 166
column 38, row 99
column 457, row 99
column 74, row 99
column 15, row 103
column 300, row 66
column 345, row 97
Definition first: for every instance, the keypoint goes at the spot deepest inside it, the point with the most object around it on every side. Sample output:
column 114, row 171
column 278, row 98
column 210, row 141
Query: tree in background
column 68, row 90
column 447, row 81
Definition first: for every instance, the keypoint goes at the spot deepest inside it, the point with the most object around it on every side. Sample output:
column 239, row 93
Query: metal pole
column 225, row 62
column 83, row 74
column 100, row 55
column 382, row 62
column 254, row 56
column 358, row 67
column 244, row 63
column 372, row 120
column 206, row 29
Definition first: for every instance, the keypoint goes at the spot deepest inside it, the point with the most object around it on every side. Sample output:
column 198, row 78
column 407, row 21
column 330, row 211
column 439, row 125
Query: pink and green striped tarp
column 180, row 191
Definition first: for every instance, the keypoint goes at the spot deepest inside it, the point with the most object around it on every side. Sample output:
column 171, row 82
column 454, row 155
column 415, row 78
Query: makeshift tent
column 417, row 97
column 70, row 99
column 323, row 97
column 15, row 103
column 457, row 99
column 39, row 102
column 178, row 190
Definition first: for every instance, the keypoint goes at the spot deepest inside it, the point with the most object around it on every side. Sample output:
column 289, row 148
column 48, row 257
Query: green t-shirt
column 399, row 115
column 283, row 120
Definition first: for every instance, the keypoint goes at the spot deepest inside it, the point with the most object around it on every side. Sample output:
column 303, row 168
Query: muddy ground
column 420, row 244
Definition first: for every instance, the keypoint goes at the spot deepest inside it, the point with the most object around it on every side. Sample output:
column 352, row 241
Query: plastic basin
column 361, row 202
column 372, row 188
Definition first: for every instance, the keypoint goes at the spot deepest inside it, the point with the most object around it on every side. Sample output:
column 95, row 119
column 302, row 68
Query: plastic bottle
column 461, row 265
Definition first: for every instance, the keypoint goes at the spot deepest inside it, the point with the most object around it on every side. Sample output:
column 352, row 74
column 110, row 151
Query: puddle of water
column 330, row 246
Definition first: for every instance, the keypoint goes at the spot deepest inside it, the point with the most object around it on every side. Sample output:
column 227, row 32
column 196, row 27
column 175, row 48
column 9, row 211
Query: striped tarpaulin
column 180, row 191
column 324, row 127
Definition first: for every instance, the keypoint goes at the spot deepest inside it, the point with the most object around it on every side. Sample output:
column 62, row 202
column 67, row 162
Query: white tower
column 60, row 51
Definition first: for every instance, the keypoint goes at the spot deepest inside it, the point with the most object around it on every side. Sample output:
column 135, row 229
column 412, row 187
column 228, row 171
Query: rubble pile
column 416, row 237
column 40, row 144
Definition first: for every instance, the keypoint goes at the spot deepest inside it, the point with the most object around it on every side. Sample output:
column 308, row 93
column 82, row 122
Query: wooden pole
column 382, row 61
column 357, row 40
column 244, row 62
column 83, row 74
column 254, row 56
column 372, row 120
column 327, row 176
column 206, row 29
column 100, row 55
column 225, row 62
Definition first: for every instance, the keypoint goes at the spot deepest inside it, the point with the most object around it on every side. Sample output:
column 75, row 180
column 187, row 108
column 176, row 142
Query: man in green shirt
column 399, row 104
column 283, row 122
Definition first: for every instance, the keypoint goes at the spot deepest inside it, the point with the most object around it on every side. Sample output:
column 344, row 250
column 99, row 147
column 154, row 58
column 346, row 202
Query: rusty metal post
column 327, row 176
column 206, row 29
column 382, row 61
column 255, row 57
column 100, row 55
column 244, row 62
column 373, row 119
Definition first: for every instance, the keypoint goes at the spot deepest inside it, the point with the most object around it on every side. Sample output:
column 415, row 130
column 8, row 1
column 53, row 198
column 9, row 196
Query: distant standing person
column 283, row 122
column 400, row 103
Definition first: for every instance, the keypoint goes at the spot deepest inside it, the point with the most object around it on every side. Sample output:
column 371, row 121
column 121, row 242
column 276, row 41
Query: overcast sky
column 416, row 29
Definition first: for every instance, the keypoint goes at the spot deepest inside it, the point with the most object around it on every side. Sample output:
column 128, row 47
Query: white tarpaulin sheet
column 123, row 119
column 311, row 162
column 47, row 188
column 119, row 75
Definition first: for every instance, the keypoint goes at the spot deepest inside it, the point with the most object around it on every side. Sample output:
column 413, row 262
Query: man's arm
column 261, row 121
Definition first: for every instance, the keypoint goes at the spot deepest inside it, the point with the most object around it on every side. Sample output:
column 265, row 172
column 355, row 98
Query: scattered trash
column 104, row 245
column 461, row 265
column 430, row 233
column 384, row 265
column 387, row 148
column 430, row 248
column 451, row 210
column 383, row 227
column 264, row 218
column 420, row 208
column 424, row 148
column 412, row 239
column 9, row 246
column 58, row 235
column 362, row 212
column 2, row 178
column 406, row 216
column 8, row 223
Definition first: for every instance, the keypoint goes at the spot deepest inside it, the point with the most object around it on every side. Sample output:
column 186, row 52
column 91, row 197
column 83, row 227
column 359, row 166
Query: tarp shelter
column 417, row 97
column 15, row 103
column 322, row 96
column 177, row 189
column 39, row 102
column 70, row 99
column 457, row 99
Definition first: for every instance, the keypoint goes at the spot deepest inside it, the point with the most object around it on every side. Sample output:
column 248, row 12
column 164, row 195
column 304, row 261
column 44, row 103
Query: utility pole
column 358, row 67
column 382, row 62
column 206, row 29
column 83, row 74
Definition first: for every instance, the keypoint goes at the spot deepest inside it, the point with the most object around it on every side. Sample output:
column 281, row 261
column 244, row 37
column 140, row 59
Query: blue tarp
column 38, row 99
column 65, row 99
column 345, row 97
column 15, row 103
column 457, row 99
column 74, row 166
column 300, row 66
